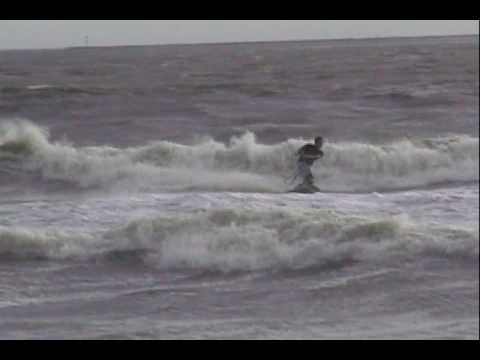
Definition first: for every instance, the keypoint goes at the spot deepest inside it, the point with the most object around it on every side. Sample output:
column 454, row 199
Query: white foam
column 228, row 240
column 34, row 243
column 247, row 239
column 39, row 87
column 243, row 165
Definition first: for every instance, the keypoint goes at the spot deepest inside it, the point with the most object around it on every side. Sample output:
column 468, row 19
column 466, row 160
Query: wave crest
column 242, row 165
column 231, row 240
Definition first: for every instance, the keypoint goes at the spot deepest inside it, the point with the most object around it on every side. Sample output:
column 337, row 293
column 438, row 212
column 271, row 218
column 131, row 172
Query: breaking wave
column 242, row 165
column 241, row 240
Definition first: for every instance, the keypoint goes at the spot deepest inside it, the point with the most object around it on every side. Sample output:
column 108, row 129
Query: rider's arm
column 301, row 151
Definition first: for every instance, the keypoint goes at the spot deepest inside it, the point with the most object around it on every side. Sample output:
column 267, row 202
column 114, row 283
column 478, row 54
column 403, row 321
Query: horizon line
column 243, row 42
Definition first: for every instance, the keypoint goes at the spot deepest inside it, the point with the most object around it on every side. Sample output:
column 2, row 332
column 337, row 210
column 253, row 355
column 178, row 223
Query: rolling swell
column 242, row 165
column 241, row 240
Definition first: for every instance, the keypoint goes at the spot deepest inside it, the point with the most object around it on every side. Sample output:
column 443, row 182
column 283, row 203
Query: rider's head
column 319, row 142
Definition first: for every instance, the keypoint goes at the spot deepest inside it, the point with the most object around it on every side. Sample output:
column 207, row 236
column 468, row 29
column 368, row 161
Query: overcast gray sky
column 23, row 34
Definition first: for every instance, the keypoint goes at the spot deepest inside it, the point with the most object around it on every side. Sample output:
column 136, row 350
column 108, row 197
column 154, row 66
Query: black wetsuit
column 308, row 154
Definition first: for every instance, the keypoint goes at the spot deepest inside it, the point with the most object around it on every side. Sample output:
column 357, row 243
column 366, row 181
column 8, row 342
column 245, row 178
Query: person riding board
column 307, row 156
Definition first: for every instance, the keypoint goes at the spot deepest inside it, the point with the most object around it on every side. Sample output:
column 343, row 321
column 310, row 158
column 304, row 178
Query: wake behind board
column 305, row 189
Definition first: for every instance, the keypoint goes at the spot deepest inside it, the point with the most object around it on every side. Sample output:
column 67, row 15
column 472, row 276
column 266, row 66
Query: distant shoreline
column 333, row 40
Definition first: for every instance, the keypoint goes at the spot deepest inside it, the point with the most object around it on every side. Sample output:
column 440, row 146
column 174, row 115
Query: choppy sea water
column 144, row 191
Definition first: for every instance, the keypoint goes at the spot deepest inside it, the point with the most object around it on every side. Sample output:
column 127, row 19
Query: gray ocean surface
column 144, row 191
